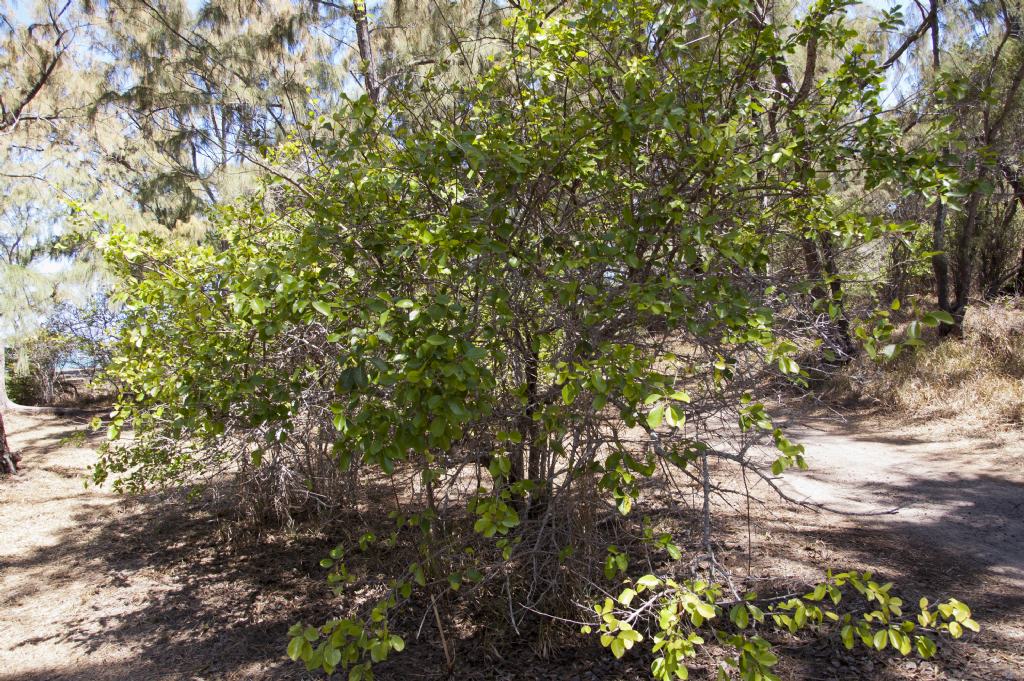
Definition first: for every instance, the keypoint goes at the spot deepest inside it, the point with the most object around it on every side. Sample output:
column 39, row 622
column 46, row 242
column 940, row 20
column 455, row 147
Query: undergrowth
column 976, row 379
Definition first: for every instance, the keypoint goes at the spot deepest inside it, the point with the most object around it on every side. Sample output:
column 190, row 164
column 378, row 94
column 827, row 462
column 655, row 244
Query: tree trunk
column 1019, row 284
column 842, row 323
column 965, row 259
column 940, row 263
column 8, row 459
column 994, row 255
column 532, row 444
column 5, row 401
column 365, row 50
column 1018, row 195
column 837, row 331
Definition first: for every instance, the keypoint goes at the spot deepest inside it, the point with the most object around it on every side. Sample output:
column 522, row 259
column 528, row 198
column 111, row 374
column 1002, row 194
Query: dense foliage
column 529, row 297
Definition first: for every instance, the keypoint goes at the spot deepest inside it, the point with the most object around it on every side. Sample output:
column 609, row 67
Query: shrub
column 58, row 362
column 37, row 377
column 530, row 297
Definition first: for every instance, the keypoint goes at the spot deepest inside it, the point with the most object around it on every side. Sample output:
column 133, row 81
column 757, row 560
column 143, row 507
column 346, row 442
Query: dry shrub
column 977, row 378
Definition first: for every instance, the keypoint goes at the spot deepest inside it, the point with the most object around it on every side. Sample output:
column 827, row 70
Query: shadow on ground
column 193, row 606
column 207, row 610
column 956, row 536
column 190, row 606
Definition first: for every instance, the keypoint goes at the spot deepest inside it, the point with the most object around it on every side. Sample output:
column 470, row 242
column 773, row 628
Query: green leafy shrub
column 531, row 298
column 37, row 364
column 680, row 613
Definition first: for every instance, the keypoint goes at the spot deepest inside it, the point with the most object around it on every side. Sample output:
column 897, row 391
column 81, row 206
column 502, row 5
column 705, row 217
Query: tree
column 169, row 111
column 39, row 266
column 200, row 95
column 31, row 57
column 544, row 284
column 969, row 83
column 27, row 237
column 177, row 114
column 453, row 40
column 169, row 120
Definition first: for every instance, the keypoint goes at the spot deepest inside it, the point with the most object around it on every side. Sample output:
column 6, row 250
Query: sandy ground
column 94, row 589
column 940, row 512
column 53, row 597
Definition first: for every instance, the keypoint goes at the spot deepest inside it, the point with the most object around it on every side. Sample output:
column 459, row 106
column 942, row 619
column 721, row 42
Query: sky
column 22, row 9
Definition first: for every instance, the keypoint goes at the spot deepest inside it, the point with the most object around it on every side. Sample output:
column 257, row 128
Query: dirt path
column 46, row 583
column 945, row 518
column 953, row 498
column 94, row 590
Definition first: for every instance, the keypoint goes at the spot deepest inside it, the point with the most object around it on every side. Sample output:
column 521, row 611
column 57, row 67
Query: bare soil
column 938, row 509
column 97, row 588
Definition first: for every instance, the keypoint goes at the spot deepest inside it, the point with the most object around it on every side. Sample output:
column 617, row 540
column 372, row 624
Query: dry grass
column 977, row 379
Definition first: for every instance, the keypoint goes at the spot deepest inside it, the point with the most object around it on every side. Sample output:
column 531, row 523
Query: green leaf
column 322, row 307
column 904, row 644
column 706, row 610
column 675, row 416
column 739, row 615
column 818, row 593
column 295, row 647
column 936, row 317
column 417, row 574
column 655, row 416
column 846, row 634
column 649, row 582
column 788, row 365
